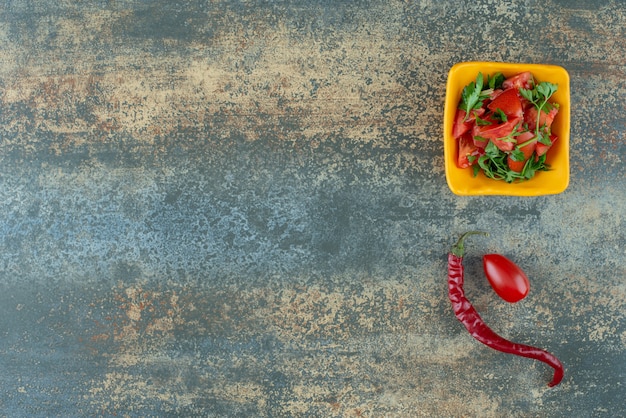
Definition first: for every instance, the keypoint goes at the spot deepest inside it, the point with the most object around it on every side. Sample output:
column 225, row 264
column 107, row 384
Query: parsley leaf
column 472, row 96
column 495, row 166
column 480, row 121
column 527, row 94
column 546, row 89
column 495, row 81
column 499, row 114
column 539, row 96
column 544, row 138
column 517, row 155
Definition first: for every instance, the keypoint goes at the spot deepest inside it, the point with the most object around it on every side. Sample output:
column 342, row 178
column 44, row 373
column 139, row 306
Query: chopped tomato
column 528, row 150
column 497, row 132
column 479, row 141
column 503, row 145
column 543, row 148
column 467, row 149
column 523, row 80
column 461, row 125
column 524, row 136
column 495, row 94
column 508, row 102
column 549, row 117
column 530, row 116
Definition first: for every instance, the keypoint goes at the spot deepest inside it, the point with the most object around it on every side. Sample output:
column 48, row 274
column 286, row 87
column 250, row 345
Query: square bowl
column 462, row 180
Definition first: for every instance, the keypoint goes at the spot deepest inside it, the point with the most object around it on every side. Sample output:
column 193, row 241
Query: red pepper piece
column 475, row 325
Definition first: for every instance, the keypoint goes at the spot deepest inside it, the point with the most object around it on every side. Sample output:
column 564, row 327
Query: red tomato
column 497, row 131
column 508, row 102
column 524, row 136
column 523, row 80
column 480, row 142
column 527, row 149
column 461, row 125
column 548, row 118
column 542, row 148
column 467, row 149
column 506, row 278
column 530, row 117
column 495, row 94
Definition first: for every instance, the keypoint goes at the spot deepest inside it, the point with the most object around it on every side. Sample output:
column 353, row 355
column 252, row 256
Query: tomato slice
column 548, row 118
column 508, row 102
column 506, row 278
column 497, row 131
column 527, row 150
column 530, row 116
column 461, row 125
column 467, row 149
column 543, row 148
column 495, row 93
column 524, row 80
column 524, row 136
column 479, row 142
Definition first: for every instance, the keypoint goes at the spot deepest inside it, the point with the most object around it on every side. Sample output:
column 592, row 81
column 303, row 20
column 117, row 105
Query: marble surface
column 238, row 208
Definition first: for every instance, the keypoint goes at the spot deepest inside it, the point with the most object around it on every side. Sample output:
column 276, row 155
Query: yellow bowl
column 462, row 181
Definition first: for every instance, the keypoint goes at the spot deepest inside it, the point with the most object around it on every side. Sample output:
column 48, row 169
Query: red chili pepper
column 475, row 325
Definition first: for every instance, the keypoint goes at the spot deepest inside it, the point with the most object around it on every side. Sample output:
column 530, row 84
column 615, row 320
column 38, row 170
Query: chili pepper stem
column 459, row 249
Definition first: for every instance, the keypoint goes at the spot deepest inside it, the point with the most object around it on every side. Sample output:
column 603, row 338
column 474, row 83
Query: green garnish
column 473, row 96
column 495, row 81
column 480, row 121
column 499, row 114
column 494, row 164
column 539, row 96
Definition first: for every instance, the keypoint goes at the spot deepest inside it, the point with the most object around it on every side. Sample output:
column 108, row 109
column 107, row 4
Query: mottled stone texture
column 238, row 208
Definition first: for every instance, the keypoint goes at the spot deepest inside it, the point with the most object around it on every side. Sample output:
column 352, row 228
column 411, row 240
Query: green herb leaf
column 472, row 96
column 491, row 149
column 546, row 89
column 495, row 81
column 527, row 94
column 539, row 96
column 517, row 155
column 481, row 122
column 544, row 138
column 499, row 114
column 495, row 166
